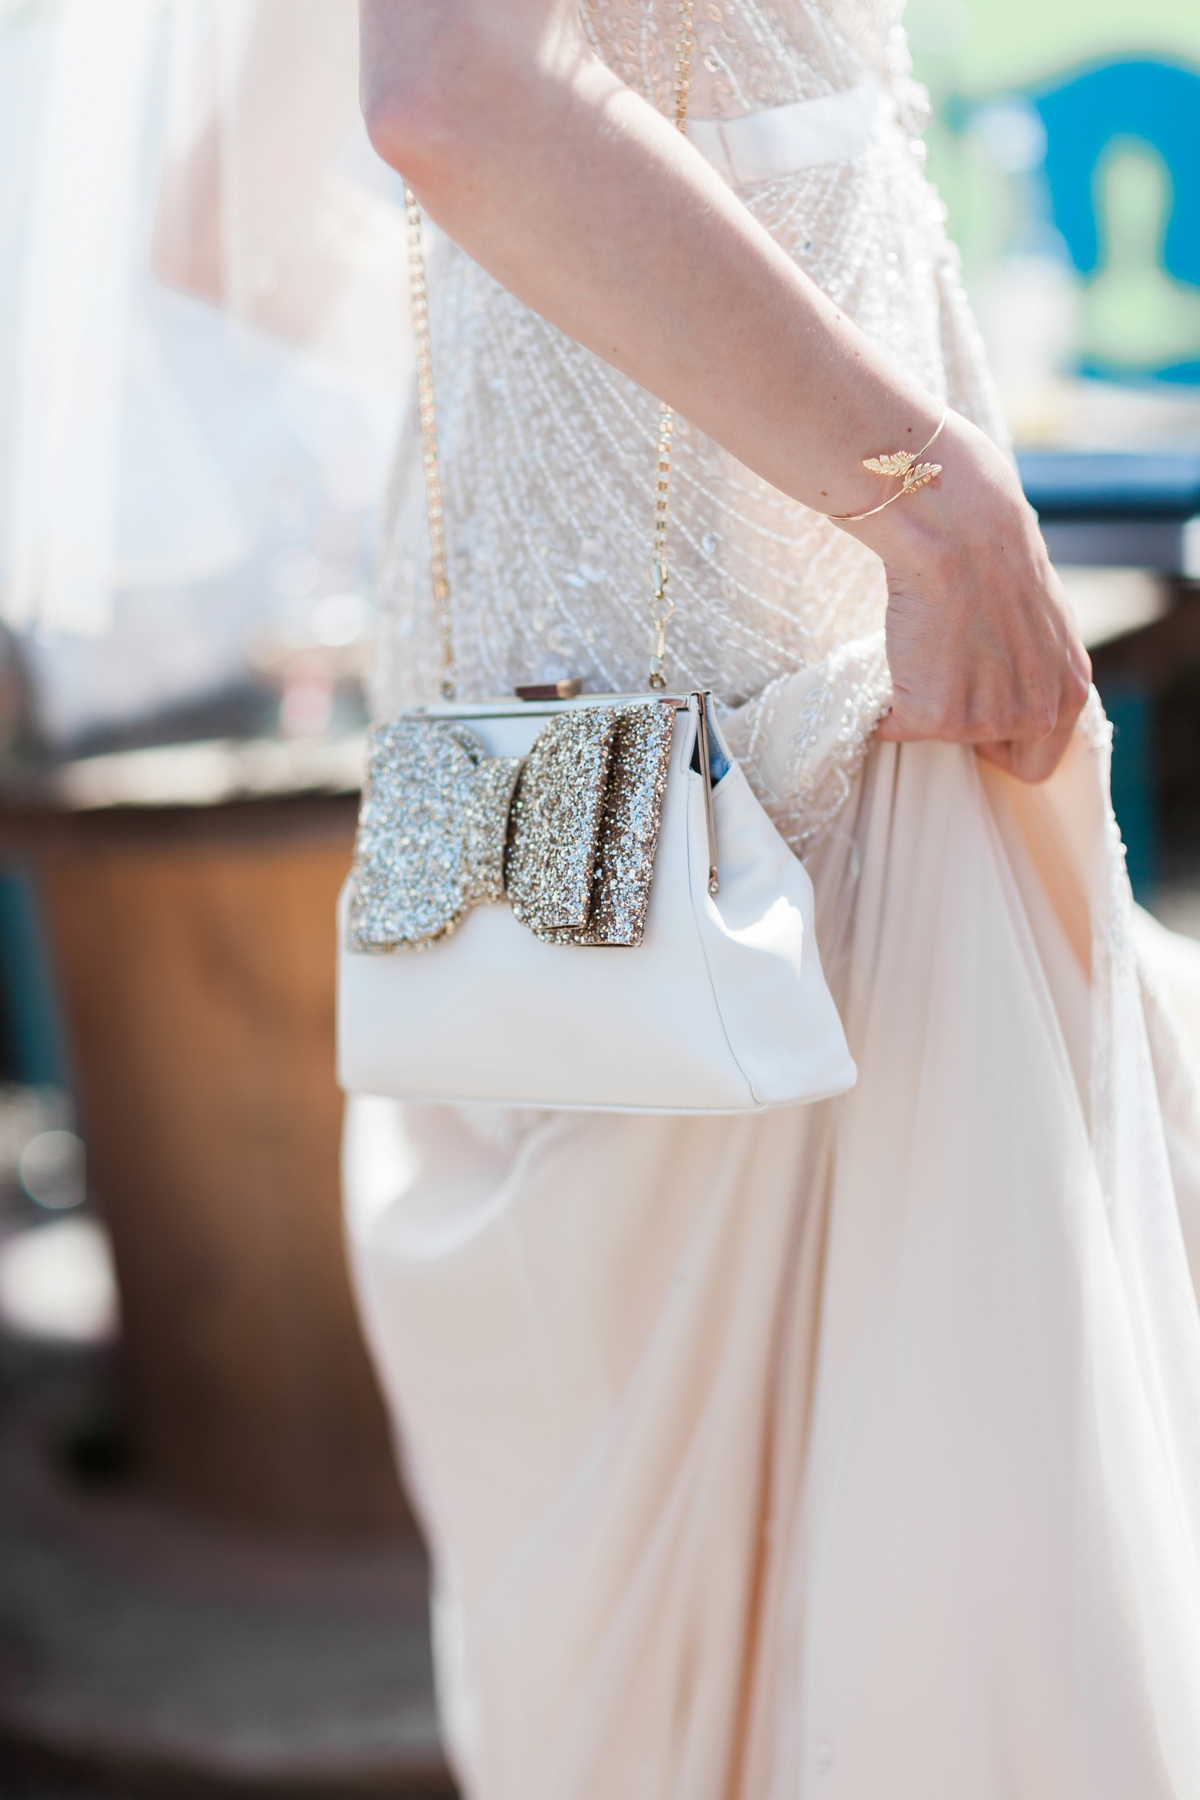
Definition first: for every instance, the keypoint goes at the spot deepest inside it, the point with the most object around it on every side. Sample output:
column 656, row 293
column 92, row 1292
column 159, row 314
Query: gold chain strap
column 662, row 608
column 429, row 446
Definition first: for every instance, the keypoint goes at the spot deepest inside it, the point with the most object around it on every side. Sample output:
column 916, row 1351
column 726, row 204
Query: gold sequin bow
column 567, row 834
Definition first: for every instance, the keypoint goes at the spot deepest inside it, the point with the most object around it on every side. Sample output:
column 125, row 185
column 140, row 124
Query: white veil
column 203, row 340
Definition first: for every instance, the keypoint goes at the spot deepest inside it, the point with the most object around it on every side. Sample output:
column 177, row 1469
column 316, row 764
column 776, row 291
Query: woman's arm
column 589, row 206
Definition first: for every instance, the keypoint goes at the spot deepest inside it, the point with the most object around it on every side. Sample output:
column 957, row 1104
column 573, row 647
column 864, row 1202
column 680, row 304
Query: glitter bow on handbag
column 536, row 916
column 568, row 835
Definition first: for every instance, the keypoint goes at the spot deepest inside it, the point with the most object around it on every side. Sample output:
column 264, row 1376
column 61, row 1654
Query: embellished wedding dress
column 851, row 1451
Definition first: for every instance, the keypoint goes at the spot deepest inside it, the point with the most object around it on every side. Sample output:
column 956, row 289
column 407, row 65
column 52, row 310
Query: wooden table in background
column 188, row 897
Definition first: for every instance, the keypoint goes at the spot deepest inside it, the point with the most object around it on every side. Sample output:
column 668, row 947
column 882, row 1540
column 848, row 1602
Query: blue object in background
column 1134, row 510
column 1131, row 713
column 1155, row 104
column 27, row 988
column 1086, row 484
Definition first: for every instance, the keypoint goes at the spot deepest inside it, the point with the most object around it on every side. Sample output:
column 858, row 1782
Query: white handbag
column 565, row 900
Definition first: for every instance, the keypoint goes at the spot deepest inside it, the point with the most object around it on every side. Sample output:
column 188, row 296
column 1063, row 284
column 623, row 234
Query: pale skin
column 592, row 209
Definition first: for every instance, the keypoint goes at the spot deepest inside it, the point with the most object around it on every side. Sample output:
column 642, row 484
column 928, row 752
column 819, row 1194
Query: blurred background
column 209, row 1579
column 1063, row 142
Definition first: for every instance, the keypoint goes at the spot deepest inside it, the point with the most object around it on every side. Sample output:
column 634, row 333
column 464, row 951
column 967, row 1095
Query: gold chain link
column 429, row 446
column 662, row 607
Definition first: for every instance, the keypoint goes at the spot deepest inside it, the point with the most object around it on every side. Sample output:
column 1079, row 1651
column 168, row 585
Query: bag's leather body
column 722, row 1008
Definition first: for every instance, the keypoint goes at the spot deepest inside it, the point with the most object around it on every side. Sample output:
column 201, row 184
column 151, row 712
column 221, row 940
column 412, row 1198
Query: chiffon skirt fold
column 850, row 1452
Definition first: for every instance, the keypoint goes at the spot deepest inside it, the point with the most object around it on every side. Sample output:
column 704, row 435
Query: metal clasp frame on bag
column 533, row 703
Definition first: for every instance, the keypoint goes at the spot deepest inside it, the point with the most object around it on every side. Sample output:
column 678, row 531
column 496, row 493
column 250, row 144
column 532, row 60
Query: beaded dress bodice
column 548, row 453
column 747, row 55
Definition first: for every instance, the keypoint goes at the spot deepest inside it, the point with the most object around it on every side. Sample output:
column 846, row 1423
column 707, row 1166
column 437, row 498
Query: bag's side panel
column 761, row 948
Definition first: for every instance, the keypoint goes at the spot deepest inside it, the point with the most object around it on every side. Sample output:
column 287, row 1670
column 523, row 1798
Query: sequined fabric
column 556, row 822
column 548, row 453
column 640, row 748
column 568, row 836
column 432, row 832
column 802, row 736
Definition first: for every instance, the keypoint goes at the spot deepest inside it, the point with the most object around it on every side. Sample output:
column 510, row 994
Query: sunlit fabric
column 203, row 335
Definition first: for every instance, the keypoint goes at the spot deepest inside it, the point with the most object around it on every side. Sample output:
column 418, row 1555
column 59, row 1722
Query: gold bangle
column 902, row 465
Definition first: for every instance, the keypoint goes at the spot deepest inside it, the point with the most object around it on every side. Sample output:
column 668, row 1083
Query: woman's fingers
column 1031, row 762
column 1032, row 753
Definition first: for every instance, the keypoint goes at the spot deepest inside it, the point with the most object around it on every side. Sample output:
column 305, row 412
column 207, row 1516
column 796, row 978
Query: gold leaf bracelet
column 899, row 465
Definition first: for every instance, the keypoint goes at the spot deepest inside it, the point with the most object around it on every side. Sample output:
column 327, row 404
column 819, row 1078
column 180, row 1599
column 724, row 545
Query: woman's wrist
column 909, row 468
column 865, row 457
column 944, row 509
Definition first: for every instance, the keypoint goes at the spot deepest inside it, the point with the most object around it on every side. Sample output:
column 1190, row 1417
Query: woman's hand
column 981, row 639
